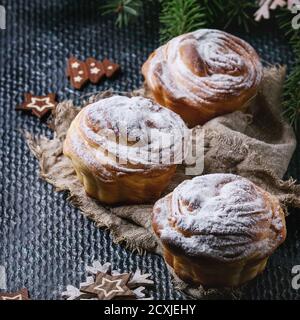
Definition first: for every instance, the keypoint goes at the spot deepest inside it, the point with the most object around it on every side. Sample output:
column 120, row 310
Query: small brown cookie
column 111, row 69
column 38, row 105
column 95, row 69
column 77, row 72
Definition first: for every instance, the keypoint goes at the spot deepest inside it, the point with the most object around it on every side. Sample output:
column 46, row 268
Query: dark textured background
column 44, row 242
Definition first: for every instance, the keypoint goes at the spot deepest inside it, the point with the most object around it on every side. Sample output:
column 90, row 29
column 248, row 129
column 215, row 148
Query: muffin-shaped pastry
column 218, row 230
column 203, row 74
column 125, row 150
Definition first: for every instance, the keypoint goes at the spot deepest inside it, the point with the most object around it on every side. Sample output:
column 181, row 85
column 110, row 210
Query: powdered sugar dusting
column 127, row 133
column 220, row 216
column 201, row 65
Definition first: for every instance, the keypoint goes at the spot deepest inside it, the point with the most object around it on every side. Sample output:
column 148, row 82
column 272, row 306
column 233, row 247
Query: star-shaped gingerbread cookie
column 108, row 287
column 38, row 105
column 20, row 295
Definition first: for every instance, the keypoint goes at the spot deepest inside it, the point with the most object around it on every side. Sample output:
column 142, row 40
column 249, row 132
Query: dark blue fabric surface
column 44, row 242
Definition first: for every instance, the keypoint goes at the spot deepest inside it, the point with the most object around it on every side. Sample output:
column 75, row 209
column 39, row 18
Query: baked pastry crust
column 203, row 74
column 114, row 145
column 218, row 230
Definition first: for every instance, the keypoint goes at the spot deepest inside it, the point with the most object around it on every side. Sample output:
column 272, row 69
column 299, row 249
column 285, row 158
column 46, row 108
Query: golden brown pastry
column 116, row 149
column 218, row 230
column 203, row 74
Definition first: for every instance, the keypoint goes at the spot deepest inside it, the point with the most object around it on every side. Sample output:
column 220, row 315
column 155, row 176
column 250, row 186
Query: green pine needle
column 240, row 12
column 180, row 16
column 214, row 9
column 291, row 94
column 126, row 10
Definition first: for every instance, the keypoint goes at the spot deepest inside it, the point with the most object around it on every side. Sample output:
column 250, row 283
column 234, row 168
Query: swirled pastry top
column 211, row 70
column 126, row 135
column 220, row 216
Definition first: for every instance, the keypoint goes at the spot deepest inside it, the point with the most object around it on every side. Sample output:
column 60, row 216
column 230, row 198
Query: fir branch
column 291, row 94
column 126, row 10
column 291, row 97
column 214, row 9
column 240, row 12
column 181, row 16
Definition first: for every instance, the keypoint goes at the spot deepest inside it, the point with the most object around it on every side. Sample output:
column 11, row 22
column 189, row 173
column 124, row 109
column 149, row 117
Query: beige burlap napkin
column 257, row 145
